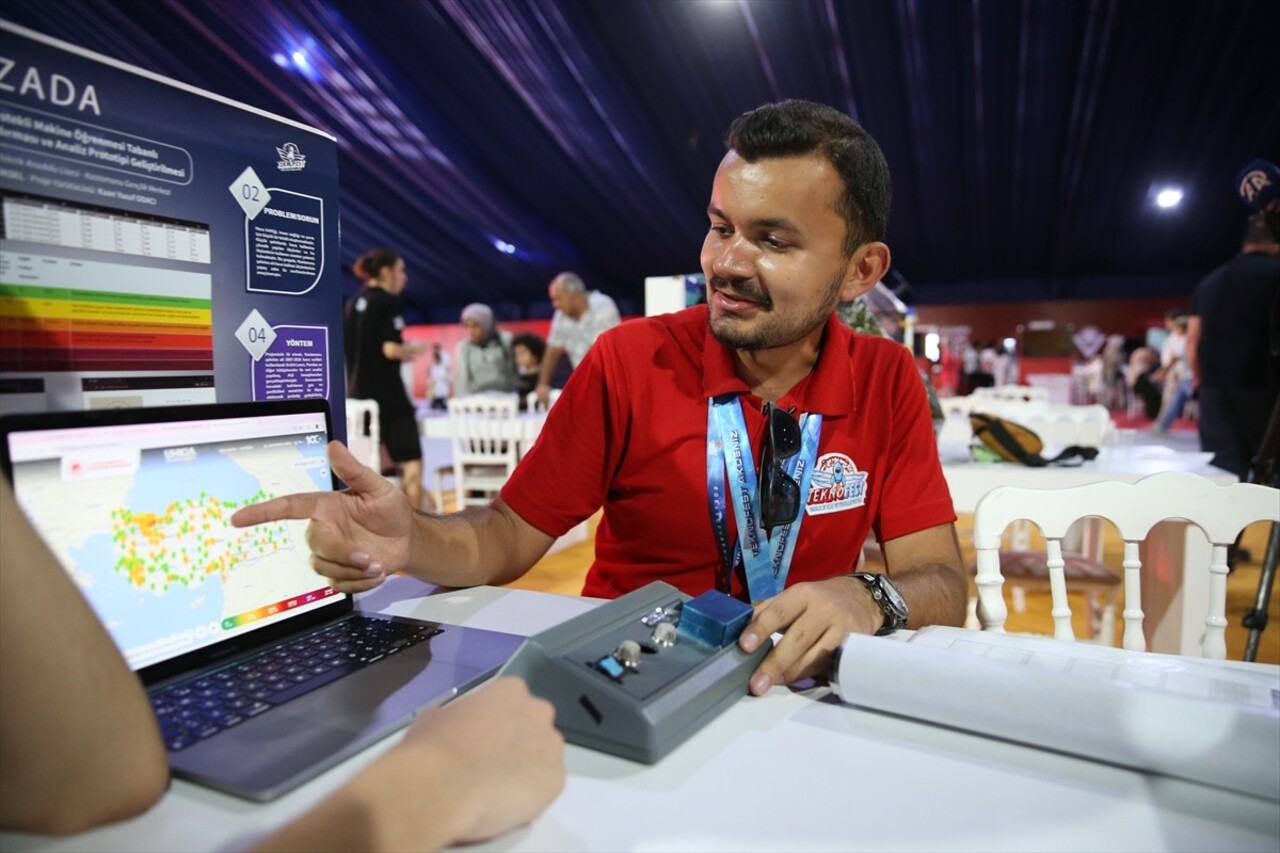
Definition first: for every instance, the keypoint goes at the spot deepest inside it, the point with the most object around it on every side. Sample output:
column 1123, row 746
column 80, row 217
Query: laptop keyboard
column 193, row 710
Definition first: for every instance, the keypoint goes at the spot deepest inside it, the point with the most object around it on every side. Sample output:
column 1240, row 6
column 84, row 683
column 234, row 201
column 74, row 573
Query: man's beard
column 773, row 331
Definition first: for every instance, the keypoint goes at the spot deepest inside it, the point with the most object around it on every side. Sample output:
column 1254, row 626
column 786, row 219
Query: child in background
column 527, row 349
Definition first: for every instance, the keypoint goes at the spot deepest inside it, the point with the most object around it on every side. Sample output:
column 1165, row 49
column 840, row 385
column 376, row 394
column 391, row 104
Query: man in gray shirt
column 581, row 316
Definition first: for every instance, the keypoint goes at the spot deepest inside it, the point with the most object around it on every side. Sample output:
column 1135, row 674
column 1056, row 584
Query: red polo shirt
column 629, row 433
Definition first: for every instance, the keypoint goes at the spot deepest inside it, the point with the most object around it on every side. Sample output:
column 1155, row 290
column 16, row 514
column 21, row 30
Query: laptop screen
column 137, row 508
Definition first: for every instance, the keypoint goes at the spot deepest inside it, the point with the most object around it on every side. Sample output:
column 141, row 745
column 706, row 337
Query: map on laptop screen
column 139, row 514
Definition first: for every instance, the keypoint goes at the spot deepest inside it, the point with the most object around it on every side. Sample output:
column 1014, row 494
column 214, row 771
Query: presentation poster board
column 160, row 244
column 664, row 294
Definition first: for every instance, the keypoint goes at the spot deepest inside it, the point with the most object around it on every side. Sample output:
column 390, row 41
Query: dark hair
column 1257, row 230
column 794, row 128
column 534, row 343
column 372, row 262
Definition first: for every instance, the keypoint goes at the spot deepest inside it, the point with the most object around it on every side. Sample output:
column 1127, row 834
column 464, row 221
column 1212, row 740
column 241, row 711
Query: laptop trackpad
column 263, row 757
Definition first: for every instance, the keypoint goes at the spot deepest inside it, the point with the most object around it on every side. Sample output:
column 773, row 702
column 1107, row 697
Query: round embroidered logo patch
column 837, row 485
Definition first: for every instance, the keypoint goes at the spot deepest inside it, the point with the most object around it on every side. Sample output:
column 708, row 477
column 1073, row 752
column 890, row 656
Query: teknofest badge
column 837, row 485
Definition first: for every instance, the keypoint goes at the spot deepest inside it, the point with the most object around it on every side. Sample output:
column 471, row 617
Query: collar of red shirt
column 827, row 390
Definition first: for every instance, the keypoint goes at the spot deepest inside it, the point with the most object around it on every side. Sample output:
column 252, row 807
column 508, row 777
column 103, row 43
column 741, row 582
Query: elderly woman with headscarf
column 484, row 357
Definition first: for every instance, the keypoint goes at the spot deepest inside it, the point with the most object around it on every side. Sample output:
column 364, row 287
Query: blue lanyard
column 767, row 560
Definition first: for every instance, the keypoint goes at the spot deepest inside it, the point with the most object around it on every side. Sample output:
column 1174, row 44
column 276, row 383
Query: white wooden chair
column 1026, row 569
column 1059, row 424
column 1023, row 393
column 443, row 472
column 531, row 400
column 1134, row 508
column 485, row 448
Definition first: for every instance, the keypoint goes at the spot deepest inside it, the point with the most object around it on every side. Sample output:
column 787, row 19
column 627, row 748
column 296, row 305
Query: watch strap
column 887, row 598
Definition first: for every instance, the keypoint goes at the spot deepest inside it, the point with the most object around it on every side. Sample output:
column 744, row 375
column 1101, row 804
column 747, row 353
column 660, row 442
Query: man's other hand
column 814, row 618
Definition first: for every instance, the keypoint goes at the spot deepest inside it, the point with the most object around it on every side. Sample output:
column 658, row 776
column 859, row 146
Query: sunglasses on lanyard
column 779, row 492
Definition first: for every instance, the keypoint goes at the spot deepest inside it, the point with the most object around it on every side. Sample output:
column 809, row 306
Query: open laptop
column 261, row 675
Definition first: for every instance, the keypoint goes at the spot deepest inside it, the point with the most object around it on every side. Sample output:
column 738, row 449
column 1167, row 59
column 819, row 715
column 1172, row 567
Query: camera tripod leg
column 1265, row 469
column 1256, row 619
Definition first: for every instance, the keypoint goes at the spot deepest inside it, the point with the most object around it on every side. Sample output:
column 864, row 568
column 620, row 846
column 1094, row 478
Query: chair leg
column 1019, row 596
column 1093, row 614
column 437, row 496
column 1107, row 633
column 1100, row 607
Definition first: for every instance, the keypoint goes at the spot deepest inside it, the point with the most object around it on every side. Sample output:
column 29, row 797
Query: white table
column 1175, row 591
column 437, row 451
column 786, row 771
column 434, row 424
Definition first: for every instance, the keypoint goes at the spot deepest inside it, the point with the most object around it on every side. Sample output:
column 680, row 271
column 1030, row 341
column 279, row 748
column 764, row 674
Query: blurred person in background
column 528, row 350
column 1173, row 374
column 1231, row 333
column 1143, row 363
column 581, row 315
column 484, row 361
column 374, row 347
column 439, row 378
column 1113, row 373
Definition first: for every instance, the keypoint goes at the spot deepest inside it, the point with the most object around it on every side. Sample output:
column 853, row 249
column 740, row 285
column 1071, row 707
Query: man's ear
column 867, row 265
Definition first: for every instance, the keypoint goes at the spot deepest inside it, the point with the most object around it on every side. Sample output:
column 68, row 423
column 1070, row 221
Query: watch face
column 888, row 597
column 891, row 593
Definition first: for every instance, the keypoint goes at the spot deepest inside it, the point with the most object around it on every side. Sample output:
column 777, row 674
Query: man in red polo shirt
column 751, row 443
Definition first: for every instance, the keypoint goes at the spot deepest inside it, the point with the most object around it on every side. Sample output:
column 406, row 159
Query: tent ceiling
column 1025, row 137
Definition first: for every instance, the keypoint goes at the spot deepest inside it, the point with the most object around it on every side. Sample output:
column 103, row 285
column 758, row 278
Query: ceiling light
column 301, row 56
column 1168, row 198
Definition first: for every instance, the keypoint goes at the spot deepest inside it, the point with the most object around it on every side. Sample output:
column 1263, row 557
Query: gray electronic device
column 621, row 683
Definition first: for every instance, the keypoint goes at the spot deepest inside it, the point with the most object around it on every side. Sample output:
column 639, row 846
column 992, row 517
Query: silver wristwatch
column 888, row 598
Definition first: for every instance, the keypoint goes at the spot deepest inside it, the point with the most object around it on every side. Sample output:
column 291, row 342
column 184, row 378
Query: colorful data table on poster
column 159, row 244
column 59, row 314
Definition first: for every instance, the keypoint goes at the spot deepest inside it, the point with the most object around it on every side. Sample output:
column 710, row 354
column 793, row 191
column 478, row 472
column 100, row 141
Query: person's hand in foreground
column 477, row 767
column 357, row 536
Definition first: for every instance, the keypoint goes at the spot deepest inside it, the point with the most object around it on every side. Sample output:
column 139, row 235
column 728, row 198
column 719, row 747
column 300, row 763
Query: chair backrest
column 364, row 438
column 1057, row 423
column 531, row 400
column 1012, row 392
column 1134, row 508
column 485, row 435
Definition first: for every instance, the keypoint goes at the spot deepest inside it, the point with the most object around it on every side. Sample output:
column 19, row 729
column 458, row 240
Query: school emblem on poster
column 291, row 158
column 836, row 485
